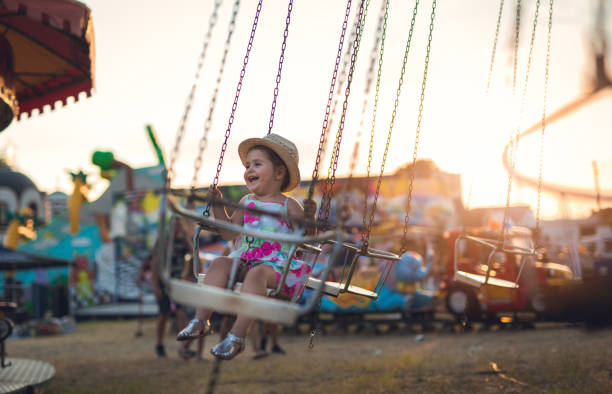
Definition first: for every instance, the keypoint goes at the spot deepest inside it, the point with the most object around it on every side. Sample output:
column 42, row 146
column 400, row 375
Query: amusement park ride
column 508, row 260
column 329, row 236
column 484, row 264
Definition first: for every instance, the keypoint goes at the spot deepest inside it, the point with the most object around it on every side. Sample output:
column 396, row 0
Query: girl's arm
column 220, row 213
column 294, row 209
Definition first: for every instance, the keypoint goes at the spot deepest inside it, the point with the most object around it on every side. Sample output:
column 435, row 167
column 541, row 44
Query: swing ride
column 354, row 252
column 272, row 308
column 503, row 244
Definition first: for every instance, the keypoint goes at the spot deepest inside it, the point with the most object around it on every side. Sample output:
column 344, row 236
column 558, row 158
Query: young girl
column 271, row 168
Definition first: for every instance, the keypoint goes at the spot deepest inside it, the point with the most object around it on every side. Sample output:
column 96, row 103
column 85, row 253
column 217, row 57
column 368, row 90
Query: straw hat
column 284, row 148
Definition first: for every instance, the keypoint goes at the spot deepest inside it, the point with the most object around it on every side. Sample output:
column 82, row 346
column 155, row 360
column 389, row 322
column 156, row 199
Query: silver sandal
column 229, row 348
column 196, row 328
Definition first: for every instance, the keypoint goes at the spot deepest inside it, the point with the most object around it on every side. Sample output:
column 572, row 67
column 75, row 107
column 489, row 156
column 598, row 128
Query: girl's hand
column 310, row 211
column 215, row 193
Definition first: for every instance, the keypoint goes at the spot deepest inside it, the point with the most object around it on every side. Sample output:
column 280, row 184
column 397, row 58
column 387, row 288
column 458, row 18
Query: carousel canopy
column 46, row 53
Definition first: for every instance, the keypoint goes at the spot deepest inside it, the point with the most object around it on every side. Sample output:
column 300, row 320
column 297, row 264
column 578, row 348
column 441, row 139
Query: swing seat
column 230, row 301
column 335, row 288
column 478, row 280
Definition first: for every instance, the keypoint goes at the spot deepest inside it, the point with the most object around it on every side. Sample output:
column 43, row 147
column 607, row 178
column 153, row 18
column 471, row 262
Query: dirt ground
column 106, row 357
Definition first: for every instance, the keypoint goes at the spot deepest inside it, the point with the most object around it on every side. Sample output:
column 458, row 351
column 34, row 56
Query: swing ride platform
column 24, row 375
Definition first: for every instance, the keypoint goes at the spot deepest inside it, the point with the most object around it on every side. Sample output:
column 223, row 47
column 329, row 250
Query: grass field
column 106, row 357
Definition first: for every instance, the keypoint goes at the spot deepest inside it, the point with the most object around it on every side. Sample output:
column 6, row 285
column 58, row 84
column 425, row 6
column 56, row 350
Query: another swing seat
column 478, row 280
column 335, row 288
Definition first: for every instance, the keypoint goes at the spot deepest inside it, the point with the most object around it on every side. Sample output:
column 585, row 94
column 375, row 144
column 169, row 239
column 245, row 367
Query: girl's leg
column 257, row 280
column 218, row 276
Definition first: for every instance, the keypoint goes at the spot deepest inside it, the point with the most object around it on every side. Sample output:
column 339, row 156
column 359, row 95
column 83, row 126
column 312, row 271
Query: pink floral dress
column 272, row 253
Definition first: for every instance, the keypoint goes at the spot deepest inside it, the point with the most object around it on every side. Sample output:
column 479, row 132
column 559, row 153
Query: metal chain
column 404, row 246
column 213, row 100
column 330, row 96
column 382, row 22
column 280, row 65
column 517, row 30
column 365, row 235
column 502, row 233
column 329, row 185
column 311, row 336
column 214, row 376
column 494, row 50
column 541, row 165
column 235, row 104
column 342, row 78
column 212, row 21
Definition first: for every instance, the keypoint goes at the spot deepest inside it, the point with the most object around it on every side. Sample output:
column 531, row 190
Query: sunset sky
column 146, row 54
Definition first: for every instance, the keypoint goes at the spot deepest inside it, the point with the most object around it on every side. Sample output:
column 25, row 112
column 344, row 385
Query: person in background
column 181, row 254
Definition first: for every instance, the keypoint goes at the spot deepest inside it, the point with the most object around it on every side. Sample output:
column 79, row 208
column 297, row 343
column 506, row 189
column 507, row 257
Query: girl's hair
column 276, row 162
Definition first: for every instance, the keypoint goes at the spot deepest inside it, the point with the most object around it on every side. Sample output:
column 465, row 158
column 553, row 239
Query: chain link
column 516, row 137
column 517, row 31
column 311, row 336
column 330, row 96
column 280, row 65
column 214, row 376
column 494, row 50
column 324, row 212
column 404, row 246
column 382, row 22
column 212, row 21
column 235, row 104
column 541, row 164
column 378, row 75
column 346, row 58
column 213, row 100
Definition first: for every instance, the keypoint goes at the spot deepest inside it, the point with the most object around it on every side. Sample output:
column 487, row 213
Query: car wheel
column 462, row 301
column 537, row 303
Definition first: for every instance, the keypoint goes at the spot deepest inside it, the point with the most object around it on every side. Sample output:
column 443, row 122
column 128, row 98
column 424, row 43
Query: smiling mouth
column 252, row 178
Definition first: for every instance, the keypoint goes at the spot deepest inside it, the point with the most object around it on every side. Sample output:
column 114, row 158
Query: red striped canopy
column 53, row 50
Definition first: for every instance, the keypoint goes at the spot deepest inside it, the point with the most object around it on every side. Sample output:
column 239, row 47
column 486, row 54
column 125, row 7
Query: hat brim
column 292, row 167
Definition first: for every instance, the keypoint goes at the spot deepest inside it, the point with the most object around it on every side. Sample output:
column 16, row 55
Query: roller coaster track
column 602, row 85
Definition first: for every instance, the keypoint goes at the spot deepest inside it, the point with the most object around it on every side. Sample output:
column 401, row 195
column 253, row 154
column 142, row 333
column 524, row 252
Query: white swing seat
column 476, row 280
column 334, row 288
column 479, row 280
column 231, row 302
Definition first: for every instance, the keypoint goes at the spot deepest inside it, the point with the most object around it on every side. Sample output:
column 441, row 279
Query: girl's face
column 260, row 175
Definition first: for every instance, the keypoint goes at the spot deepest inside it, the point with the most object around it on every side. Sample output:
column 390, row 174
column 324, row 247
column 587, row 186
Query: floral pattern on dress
column 260, row 251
